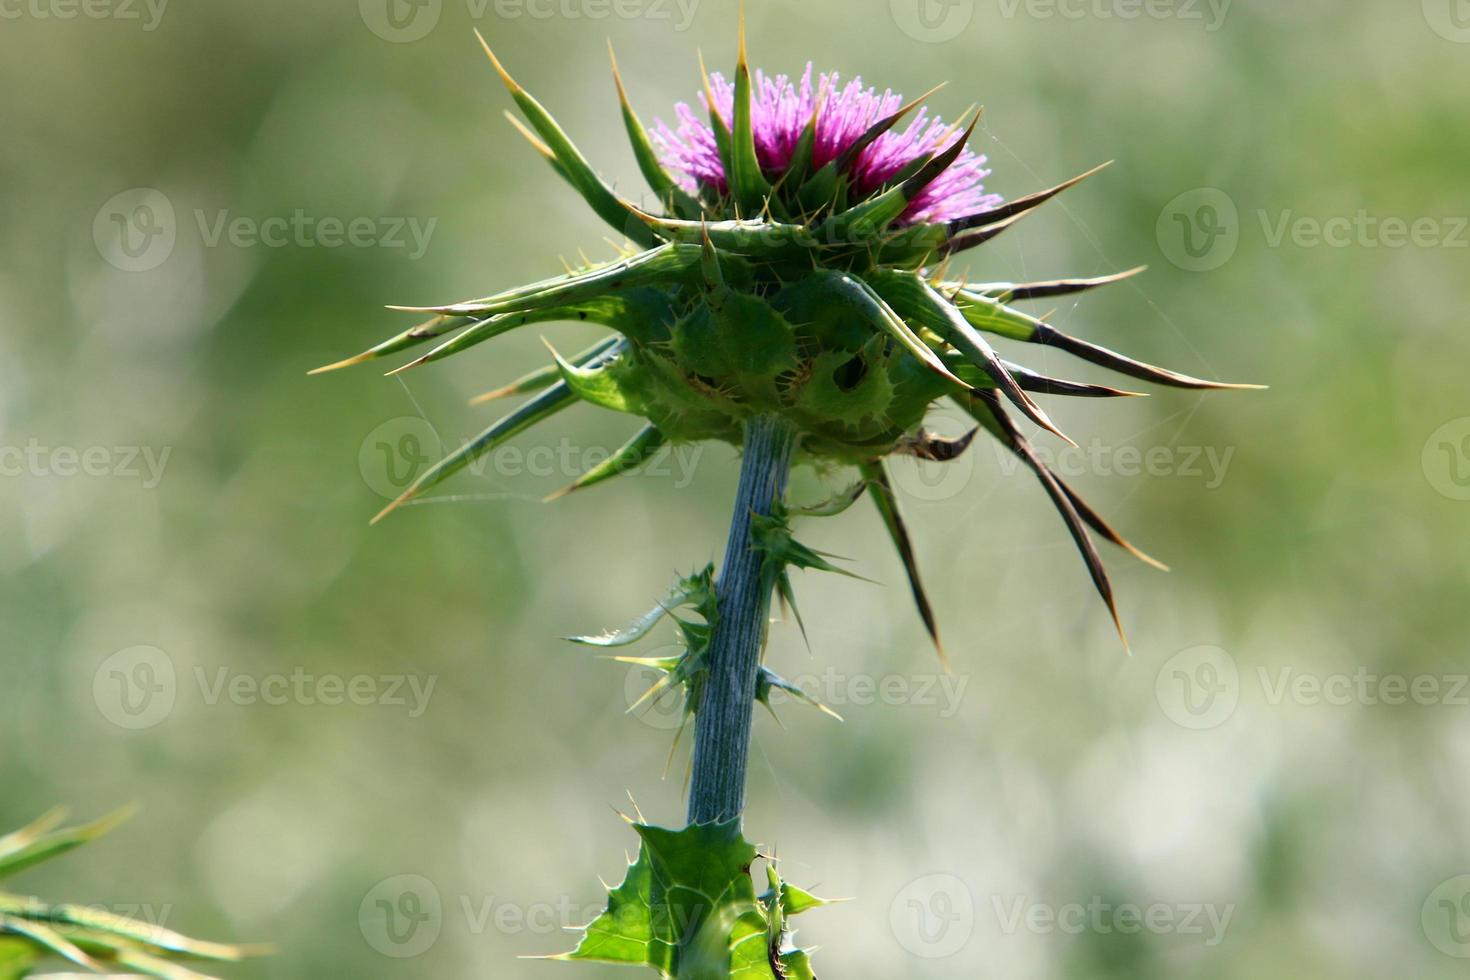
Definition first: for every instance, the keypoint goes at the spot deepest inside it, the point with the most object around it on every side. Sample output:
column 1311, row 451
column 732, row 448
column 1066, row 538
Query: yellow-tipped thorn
column 403, row 498
column 510, row 83
column 531, row 137
column 617, row 75
column 709, row 93
column 557, row 495
column 741, row 63
column 495, row 395
column 404, row 367
column 345, row 362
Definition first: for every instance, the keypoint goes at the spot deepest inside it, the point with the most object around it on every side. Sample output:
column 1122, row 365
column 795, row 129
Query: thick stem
column 722, row 725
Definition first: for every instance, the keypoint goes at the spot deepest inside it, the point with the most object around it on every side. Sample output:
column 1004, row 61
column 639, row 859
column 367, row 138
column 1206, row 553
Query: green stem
column 722, row 725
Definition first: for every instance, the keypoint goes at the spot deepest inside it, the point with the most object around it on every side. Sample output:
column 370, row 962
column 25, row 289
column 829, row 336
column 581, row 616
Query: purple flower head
column 781, row 111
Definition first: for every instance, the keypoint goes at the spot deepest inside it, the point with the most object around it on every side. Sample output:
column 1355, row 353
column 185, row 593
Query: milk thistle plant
column 788, row 295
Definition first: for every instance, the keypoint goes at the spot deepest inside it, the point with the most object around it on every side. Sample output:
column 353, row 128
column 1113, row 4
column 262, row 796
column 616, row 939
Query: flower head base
column 797, row 268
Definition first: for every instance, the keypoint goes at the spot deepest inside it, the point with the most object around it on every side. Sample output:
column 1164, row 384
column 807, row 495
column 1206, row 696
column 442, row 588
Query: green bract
column 788, row 294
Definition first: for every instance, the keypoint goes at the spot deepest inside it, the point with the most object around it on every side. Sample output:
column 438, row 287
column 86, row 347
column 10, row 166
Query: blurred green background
column 1272, row 785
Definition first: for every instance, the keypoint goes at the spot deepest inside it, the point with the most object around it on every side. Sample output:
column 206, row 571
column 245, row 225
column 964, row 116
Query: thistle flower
column 787, row 295
column 796, row 267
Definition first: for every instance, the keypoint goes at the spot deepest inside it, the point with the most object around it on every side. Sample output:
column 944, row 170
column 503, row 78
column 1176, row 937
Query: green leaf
column 634, row 453
column 597, row 383
column 663, row 184
column 543, row 406
column 887, row 503
column 687, row 908
column 697, row 588
column 748, row 185
column 918, row 300
column 32, row 845
column 611, row 208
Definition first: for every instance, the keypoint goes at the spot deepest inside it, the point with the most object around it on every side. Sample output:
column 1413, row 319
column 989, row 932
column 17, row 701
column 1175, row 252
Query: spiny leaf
column 1001, row 427
column 918, row 300
column 697, row 587
column 1018, row 206
column 543, row 406
column 634, row 453
column 850, row 291
column 29, row 847
column 542, row 378
column 663, row 265
column 748, row 185
column 1008, row 292
column 768, row 681
column 985, row 407
column 986, row 314
column 755, row 237
column 886, row 501
column 437, row 327
column 579, row 172
column 596, row 384
column 662, row 183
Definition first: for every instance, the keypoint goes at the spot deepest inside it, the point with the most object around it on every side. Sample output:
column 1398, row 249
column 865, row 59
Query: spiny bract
column 795, row 267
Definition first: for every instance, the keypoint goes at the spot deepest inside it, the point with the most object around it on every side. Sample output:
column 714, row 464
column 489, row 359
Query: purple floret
column 780, row 112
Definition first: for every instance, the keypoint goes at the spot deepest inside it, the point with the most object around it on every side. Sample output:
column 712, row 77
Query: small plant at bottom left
column 34, row 932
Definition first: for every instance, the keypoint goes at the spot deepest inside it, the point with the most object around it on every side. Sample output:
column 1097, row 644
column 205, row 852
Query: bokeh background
column 1272, row 785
